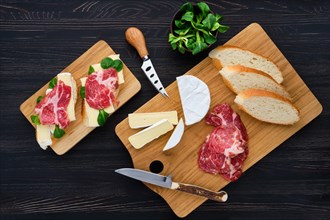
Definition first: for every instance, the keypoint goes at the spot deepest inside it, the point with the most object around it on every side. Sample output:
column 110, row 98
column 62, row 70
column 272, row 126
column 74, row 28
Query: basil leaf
column 188, row 16
column 223, row 28
column 35, row 119
column 118, row 65
column 187, row 7
column 58, row 133
column 204, row 8
column 209, row 38
column 209, row 21
column 52, row 83
column 90, row 70
column 102, row 117
column 82, row 92
column 106, row 63
column 39, row 99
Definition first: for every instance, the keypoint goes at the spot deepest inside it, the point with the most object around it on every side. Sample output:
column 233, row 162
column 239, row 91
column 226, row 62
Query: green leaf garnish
column 82, row 92
column 106, row 63
column 118, row 65
column 196, row 29
column 90, row 70
column 52, row 83
column 58, row 133
column 39, row 99
column 35, row 119
column 102, row 117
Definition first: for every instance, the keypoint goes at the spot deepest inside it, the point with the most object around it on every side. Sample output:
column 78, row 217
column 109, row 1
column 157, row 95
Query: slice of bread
column 229, row 55
column 267, row 106
column 239, row 78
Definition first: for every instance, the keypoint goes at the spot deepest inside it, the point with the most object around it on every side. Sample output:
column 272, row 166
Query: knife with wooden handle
column 166, row 181
column 135, row 38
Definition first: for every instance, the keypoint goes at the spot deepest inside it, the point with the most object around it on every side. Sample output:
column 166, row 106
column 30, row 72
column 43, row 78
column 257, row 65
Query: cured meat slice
column 226, row 148
column 52, row 109
column 100, row 88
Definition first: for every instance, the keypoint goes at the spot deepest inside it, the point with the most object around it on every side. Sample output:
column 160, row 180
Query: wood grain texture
column 181, row 162
column 39, row 38
column 77, row 130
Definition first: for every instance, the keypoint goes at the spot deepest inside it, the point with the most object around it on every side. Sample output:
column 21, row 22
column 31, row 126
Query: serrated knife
column 166, row 182
column 136, row 38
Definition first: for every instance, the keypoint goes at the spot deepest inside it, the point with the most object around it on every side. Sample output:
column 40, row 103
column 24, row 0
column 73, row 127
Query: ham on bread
column 55, row 110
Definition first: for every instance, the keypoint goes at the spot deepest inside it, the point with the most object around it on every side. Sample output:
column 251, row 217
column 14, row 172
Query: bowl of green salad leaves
column 194, row 28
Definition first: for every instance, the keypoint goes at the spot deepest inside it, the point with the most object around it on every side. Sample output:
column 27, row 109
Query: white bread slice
column 90, row 114
column 267, row 106
column 239, row 78
column 230, row 55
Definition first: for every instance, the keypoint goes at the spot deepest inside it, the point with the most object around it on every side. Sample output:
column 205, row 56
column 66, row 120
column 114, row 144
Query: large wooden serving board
column 181, row 161
column 79, row 68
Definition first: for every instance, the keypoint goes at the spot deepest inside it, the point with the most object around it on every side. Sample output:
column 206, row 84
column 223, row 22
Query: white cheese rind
column 142, row 120
column 43, row 133
column 91, row 114
column 98, row 67
column 149, row 134
column 68, row 80
column 176, row 136
column 195, row 98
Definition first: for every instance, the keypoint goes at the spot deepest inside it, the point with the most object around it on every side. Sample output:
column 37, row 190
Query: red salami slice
column 225, row 149
column 100, row 87
column 52, row 109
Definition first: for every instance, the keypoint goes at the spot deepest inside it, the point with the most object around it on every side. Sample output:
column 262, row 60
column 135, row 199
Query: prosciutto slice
column 100, row 87
column 226, row 148
column 52, row 109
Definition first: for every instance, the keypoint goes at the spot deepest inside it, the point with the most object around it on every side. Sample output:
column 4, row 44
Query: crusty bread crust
column 237, row 69
column 217, row 63
column 258, row 92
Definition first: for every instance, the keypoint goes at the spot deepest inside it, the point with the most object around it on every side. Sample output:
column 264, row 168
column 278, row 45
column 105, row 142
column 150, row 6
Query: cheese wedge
column 43, row 133
column 195, row 98
column 69, row 81
column 175, row 137
column 142, row 120
column 91, row 114
column 98, row 67
column 149, row 134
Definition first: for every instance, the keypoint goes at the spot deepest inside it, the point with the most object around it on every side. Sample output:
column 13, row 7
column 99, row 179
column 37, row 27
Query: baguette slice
column 239, row 78
column 267, row 106
column 230, row 55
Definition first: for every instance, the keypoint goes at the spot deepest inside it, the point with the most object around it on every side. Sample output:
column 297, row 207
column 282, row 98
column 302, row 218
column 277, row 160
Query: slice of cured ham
column 226, row 148
column 52, row 109
column 100, row 88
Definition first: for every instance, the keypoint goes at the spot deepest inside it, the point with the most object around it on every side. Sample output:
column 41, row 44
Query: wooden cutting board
column 181, row 161
column 79, row 68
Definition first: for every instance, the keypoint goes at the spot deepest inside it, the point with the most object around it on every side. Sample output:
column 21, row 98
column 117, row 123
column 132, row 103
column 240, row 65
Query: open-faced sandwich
column 55, row 110
column 100, row 89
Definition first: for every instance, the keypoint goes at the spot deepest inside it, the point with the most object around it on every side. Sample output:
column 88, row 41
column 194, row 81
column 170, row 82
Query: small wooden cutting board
column 181, row 161
column 79, row 68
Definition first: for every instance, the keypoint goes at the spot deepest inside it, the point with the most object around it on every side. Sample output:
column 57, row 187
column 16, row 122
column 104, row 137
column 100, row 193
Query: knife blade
column 135, row 37
column 166, row 182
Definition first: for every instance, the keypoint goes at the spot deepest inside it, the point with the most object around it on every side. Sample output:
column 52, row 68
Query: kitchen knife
column 135, row 37
column 166, row 181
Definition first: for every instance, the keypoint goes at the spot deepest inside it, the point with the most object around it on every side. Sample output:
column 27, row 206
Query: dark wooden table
column 39, row 39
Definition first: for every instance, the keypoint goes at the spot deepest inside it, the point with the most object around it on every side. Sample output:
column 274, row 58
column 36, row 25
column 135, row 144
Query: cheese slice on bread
column 229, row 55
column 239, row 78
column 267, row 106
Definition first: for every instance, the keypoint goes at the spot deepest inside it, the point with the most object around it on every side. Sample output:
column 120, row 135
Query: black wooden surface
column 40, row 38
